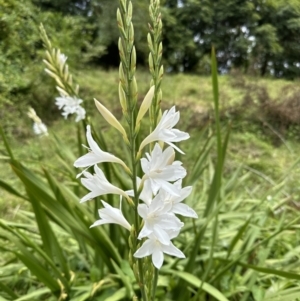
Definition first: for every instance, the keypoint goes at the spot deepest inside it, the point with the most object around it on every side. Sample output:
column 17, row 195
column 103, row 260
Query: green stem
column 154, row 284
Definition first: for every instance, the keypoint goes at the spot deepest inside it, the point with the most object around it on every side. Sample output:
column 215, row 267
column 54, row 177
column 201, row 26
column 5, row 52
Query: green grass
column 250, row 143
column 260, row 185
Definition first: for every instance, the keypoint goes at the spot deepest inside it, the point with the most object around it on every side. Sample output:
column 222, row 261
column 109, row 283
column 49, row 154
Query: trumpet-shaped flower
column 98, row 185
column 160, row 168
column 95, row 155
column 157, row 220
column 175, row 201
column 164, row 131
column 156, row 248
column 111, row 215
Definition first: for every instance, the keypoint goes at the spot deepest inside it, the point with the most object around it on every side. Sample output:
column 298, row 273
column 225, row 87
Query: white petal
column 184, row 210
column 143, row 210
column 144, row 232
column 161, row 235
column 172, row 250
column 157, row 258
column 146, row 249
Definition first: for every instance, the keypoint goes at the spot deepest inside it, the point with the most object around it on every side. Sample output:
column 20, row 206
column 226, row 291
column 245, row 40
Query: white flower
column 98, row 185
column 80, row 111
column 62, row 58
column 70, row 105
column 164, row 130
column 39, row 128
column 96, row 155
column 157, row 220
column 175, row 201
column 111, row 215
column 154, row 247
column 160, row 168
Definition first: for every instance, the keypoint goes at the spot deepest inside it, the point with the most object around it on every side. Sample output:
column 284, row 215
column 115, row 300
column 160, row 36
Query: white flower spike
column 160, row 168
column 165, row 132
column 154, row 247
column 98, row 185
column 96, row 155
column 111, row 215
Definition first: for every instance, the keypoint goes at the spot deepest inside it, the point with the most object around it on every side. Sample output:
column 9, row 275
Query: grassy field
column 259, row 142
column 256, row 225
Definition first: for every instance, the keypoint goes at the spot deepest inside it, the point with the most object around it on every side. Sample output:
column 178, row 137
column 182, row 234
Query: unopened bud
column 129, row 13
column 49, row 58
column 123, row 5
column 133, row 60
column 121, row 50
column 151, row 63
column 110, row 118
column 70, row 81
column 161, row 72
column 150, row 43
column 122, row 97
column 131, row 34
column 134, row 90
column 160, row 49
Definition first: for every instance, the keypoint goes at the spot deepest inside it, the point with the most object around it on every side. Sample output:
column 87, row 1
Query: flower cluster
column 159, row 190
column 70, row 105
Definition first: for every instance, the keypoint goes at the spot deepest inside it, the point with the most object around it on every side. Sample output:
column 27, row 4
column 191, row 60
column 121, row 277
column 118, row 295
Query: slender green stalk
column 154, row 284
column 128, row 99
column 155, row 56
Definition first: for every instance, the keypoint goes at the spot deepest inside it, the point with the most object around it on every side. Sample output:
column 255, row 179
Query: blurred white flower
column 164, row 130
column 70, row 105
column 80, row 111
column 95, row 155
column 98, row 185
column 62, row 58
column 160, row 168
column 153, row 246
column 157, row 220
column 39, row 128
column 111, row 215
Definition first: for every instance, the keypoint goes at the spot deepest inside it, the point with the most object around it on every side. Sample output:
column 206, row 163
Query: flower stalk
column 156, row 196
column 155, row 57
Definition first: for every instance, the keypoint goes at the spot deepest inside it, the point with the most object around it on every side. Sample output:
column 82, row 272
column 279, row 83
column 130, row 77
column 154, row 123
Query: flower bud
column 110, row 118
column 122, row 76
column 131, row 34
column 151, row 63
column 122, row 97
column 145, row 105
column 133, row 60
column 121, row 50
column 161, row 72
column 134, row 90
column 129, row 12
column 150, row 44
